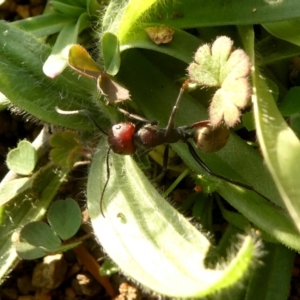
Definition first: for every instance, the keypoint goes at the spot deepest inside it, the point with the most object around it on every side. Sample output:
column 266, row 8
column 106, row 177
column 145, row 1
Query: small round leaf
column 65, row 218
column 22, row 160
column 110, row 53
column 27, row 251
column 82, row 62
column 39, row 234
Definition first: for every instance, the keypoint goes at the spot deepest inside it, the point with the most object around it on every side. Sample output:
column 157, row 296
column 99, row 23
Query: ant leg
column 165, row 164
column 199, row 124
column 106, row 182
column 211, row 173
column 134, row 116
column 82, row 112
column 165, row 160
column 170, row 125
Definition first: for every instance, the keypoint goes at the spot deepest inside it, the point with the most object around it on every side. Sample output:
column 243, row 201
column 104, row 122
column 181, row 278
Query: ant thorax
column 150, row 136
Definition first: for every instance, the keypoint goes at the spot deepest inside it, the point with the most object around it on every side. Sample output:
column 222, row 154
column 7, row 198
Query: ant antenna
column 81, row 112
column 90, row 116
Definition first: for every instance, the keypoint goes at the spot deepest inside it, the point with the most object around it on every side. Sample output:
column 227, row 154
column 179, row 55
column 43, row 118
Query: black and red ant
column 124, row 138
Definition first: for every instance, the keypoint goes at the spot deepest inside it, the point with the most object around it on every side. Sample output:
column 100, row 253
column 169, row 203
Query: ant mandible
column 124, row 139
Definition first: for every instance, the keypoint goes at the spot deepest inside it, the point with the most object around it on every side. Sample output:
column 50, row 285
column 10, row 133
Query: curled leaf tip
column 50, row 71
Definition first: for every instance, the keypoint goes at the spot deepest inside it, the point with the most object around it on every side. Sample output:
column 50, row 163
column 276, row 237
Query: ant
column 124, row 139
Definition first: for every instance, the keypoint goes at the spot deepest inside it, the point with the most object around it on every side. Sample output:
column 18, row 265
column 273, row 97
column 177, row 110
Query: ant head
column 211, row 139
column 120, row 138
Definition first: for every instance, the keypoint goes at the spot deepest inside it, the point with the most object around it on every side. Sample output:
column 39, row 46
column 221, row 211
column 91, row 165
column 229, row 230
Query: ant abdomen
column 210, row 139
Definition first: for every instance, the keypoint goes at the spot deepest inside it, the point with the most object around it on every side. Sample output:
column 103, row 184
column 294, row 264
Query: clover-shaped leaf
column 64, row 216
column 22, row 159
column 40, row 234
column 37, row 239
column 218, row 66
column 111, row 53
column 66, row 148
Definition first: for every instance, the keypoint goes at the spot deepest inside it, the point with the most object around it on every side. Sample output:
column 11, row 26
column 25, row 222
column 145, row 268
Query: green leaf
column 14, row 188
column 150, row 221
column 278, row 143
column 67, row 148
column 44, row 25
column 110, row 53
column 207, row 183
column 275, row 271
column 93, row 7
column 18, row 213
column 22, row 160
column 68, row 10
column 121, row 23
column 35, row 93
column 279, row 51
column 285, row 30
column 191, row 14
column 58, row 59
column 67, row 139
column 201, row 13
column 129, row 21
column 248, row 121
column 155, row 95
column 67, row 247
column 27, row 251
column 39, row 234
column 202, row 211
column 218, row 66
column 183, row 46
column 64, row 216
column 295, row 124
column 290, row 104
column 82, row 62
column 236, row 219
